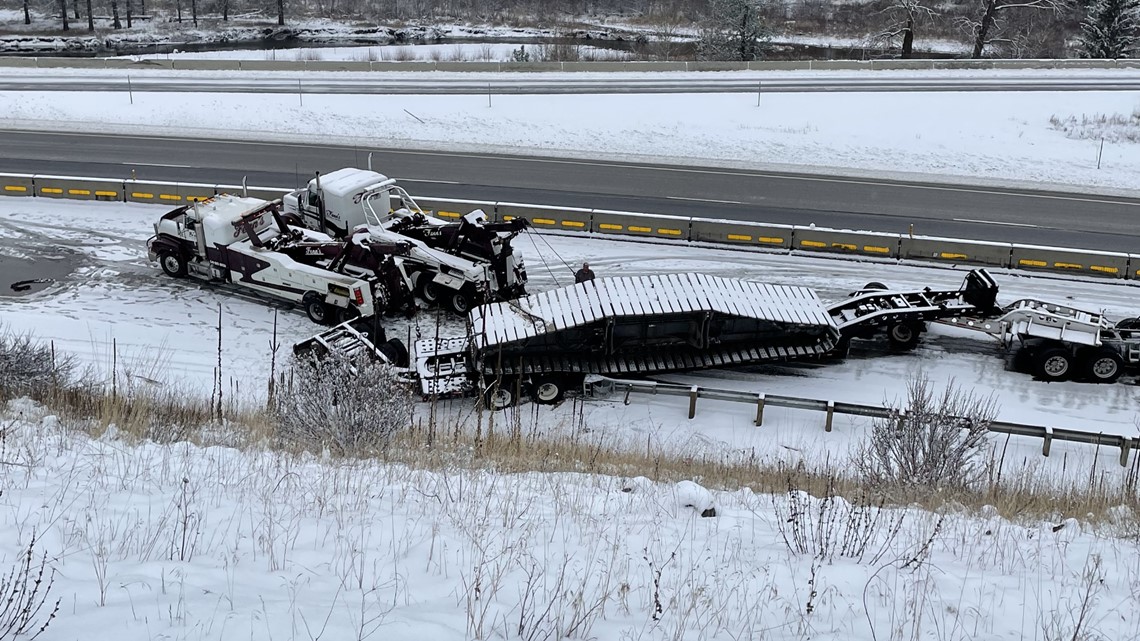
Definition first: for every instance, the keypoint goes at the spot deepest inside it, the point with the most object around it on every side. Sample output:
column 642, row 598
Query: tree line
column 727, row 29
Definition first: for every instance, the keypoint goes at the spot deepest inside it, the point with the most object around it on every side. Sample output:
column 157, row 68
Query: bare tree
column 280, row 12
column 90, row 17
column 194, row 11
column 904, row 16
column 115, row 15
column 75, row 8
column 225, row 10
column 734, row 30
column 63, row 12
column 27, row 16
column 982, row 27
column 129, row 3
column 934, row 441
column 1110, row 29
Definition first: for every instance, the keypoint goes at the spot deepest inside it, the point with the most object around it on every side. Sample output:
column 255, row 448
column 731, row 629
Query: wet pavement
column 21, row 276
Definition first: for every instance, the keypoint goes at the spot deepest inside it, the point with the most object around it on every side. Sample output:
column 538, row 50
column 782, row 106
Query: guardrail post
column 693, row 401
column 1048, row 441
column 1125, row 450
column 759, row 410
column 830, row 415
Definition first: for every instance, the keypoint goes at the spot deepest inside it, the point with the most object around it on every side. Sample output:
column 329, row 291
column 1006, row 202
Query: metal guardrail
column 135, row 63
column 831, row 408
column 861, row 244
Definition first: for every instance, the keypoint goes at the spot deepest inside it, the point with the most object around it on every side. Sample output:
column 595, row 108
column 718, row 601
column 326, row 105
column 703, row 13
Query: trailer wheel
column 395, row 351
column 904, row 336
column 1053, row 364
column 874, row 286
column 426, row 289
column 500, row 395
column 460, row 302
column 1129, row 323
column 1103, row 365
column 316, row 309
column 548, row 390
column 172, row 264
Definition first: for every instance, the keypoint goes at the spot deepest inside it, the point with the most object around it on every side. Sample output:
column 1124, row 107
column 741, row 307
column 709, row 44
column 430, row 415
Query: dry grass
column 441, row 437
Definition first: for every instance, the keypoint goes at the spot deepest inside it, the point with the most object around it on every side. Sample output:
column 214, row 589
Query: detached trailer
column 1057, row 342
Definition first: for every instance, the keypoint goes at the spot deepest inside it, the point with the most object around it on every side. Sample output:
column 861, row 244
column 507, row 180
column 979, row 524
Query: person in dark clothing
column 584, row 274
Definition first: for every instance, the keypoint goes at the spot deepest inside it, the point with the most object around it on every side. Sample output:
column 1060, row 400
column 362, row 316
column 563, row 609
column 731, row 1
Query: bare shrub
column 30, row 368
column 934, row 442
column 1112, row 128
column 328, row 407
column 24, row 593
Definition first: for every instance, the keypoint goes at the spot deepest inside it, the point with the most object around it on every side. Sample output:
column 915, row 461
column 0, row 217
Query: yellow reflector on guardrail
column 447, row 214
column 1068, row 266
column 610, row 227
column 139, row 194
column 1106, row 270
column 79, row 192
column 14, row 188
column 739, row 237
column 950, row 256
column 644, row 230
column 542, row 221
column 169, row 197
column 772, row 240
column 876, row 250
column 573, row 223
column 106, row 193
column 51, row 190
column 669, row 232
column 1032, row 263
column 812, row 243
column 846, row 246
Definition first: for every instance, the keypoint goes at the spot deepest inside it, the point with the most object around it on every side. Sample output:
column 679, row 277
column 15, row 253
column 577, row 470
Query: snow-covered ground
column 992, row 137
column 181, row 542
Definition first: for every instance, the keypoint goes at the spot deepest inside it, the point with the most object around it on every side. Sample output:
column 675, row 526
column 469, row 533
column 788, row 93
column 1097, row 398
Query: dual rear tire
column 1057, row 363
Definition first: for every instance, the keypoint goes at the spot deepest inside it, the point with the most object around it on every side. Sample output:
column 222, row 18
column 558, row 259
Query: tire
column 346, row 314
column 1129, row 323
column 1053, row 364
column 396, row 352
column 316, row 309
column 500, row 396
column 460, row 302
column 874, row 285
column 1100, row 365
column 172, row 264
column 548, row 390
column 904, row 336
column 426, row 290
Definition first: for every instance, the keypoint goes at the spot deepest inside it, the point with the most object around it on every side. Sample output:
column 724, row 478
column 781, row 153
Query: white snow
column 991, row 137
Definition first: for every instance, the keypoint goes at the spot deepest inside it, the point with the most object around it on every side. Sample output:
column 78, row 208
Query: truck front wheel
column 172, row 264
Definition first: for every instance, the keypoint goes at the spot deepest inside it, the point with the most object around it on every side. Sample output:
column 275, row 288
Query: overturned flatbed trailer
column 545, row 344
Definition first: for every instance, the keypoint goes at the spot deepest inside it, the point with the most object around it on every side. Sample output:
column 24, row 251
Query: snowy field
column 180, row 542
column 982, row 137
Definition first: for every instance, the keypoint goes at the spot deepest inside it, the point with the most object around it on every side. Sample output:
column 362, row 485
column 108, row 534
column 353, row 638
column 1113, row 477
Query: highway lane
column 408, row 83
column 983, row 213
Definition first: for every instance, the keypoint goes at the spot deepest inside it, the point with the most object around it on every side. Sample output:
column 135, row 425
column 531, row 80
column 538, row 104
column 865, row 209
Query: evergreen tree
column 1111, row 29
column 734, row 30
